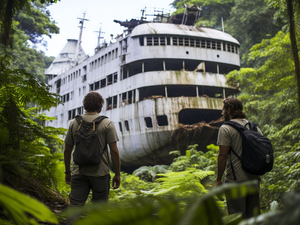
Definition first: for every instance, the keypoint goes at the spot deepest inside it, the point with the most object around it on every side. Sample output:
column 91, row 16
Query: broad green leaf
column 18, row 206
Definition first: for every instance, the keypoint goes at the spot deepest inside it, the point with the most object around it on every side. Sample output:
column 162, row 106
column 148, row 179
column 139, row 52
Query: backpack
column 257, row 151
column 87, row 150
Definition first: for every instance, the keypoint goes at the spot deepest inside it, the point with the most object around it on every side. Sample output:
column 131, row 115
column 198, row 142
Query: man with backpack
column 231, row 141
column 90, row 134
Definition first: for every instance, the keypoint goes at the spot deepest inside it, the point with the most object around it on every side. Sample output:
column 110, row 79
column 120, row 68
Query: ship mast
column 99, row 37
column 78, row 49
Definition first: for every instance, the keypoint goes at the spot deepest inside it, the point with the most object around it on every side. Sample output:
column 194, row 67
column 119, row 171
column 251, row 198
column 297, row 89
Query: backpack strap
column 79, row 120
column 240, row 129
column 252, row 126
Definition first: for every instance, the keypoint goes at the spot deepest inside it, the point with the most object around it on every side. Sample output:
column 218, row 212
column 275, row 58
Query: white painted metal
column 141, row 141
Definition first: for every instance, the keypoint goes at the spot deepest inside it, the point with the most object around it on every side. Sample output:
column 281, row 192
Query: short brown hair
column 93, row 102
column 236, row 107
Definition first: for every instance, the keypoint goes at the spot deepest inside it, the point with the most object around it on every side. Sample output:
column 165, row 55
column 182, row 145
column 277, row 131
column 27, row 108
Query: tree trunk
column 291, row 11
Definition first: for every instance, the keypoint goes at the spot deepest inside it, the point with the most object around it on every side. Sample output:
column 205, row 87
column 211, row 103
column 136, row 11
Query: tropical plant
column 21, row 209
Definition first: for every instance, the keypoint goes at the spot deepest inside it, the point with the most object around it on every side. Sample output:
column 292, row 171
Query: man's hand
column 68, row 178
column 116, row 181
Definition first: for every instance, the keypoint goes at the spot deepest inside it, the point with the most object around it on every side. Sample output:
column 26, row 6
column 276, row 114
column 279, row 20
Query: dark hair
column 93, row 102
column 236, row 107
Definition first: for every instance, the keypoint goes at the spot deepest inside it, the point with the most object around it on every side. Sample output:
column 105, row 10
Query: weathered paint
column 142, row 145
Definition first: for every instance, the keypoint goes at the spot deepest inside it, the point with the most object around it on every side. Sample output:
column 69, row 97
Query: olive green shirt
column 106, row 133
column 230, row 137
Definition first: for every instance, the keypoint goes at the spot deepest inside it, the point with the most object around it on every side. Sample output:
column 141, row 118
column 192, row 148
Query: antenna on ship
column 99, row 38
column 78, row 49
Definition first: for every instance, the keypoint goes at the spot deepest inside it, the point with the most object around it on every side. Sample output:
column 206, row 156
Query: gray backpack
column 87, row 150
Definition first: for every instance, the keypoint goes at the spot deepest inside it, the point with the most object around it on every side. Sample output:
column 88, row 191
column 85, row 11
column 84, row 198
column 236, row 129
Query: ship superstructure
column 155, row 78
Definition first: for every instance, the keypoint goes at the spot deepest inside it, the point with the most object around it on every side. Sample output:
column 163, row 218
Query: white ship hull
column 154, row 79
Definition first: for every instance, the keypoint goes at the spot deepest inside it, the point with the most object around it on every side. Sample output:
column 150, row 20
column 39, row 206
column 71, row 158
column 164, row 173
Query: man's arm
column 67, row 160
column 114, row 152
column 222, row 159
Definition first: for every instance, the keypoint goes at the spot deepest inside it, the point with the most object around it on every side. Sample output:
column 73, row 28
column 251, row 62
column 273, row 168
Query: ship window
column 180, row 41
column 77, row 74
column 141, row 41
column 120, row 127
column 105, row 59
column 218, row 45
column 97, row 85
column 109, row 79
column 236, row 50
column 108, row 103
column 224, row 46
column 192, row 42
column 123, row 99
column 129, row 97
column 186, row 42
column 149, row 41
column 175, row 41
column 124, row 72
column 208, row 44
column 213, row 45
column 103, row 82
column 228, row 47
column 126, row 125
column 232, row 48
column 163, row 40
column 115, row 101
column 116, row 53
column 181, row 91
column 109, row 56
column 83, row 78
column 162, row 120
column 155, row 39
column 91, row 87
column 198, row 43
column 79, row 111
column 69, row 115
column 64, row 55
column 73, row 113
column 202, row 43
column 98, row 61
column 115, row 77
column 153, row 65
column 102, row 58
column 148, row 122
column 168, row 41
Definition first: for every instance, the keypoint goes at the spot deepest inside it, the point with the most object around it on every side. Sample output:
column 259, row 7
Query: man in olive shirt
column 93, row 177
column 228, row 138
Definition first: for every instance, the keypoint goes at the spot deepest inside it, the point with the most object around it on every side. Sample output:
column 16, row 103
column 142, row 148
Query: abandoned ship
column 163, row 83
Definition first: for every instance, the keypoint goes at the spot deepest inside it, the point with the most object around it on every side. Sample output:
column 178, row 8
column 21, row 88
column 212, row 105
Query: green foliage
column 183, row 184
column 8, row 9
column 22, row 209
column 270, row 99
column 36, row 24
column 211, row 13
column 249, row 23
column 166, row 210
